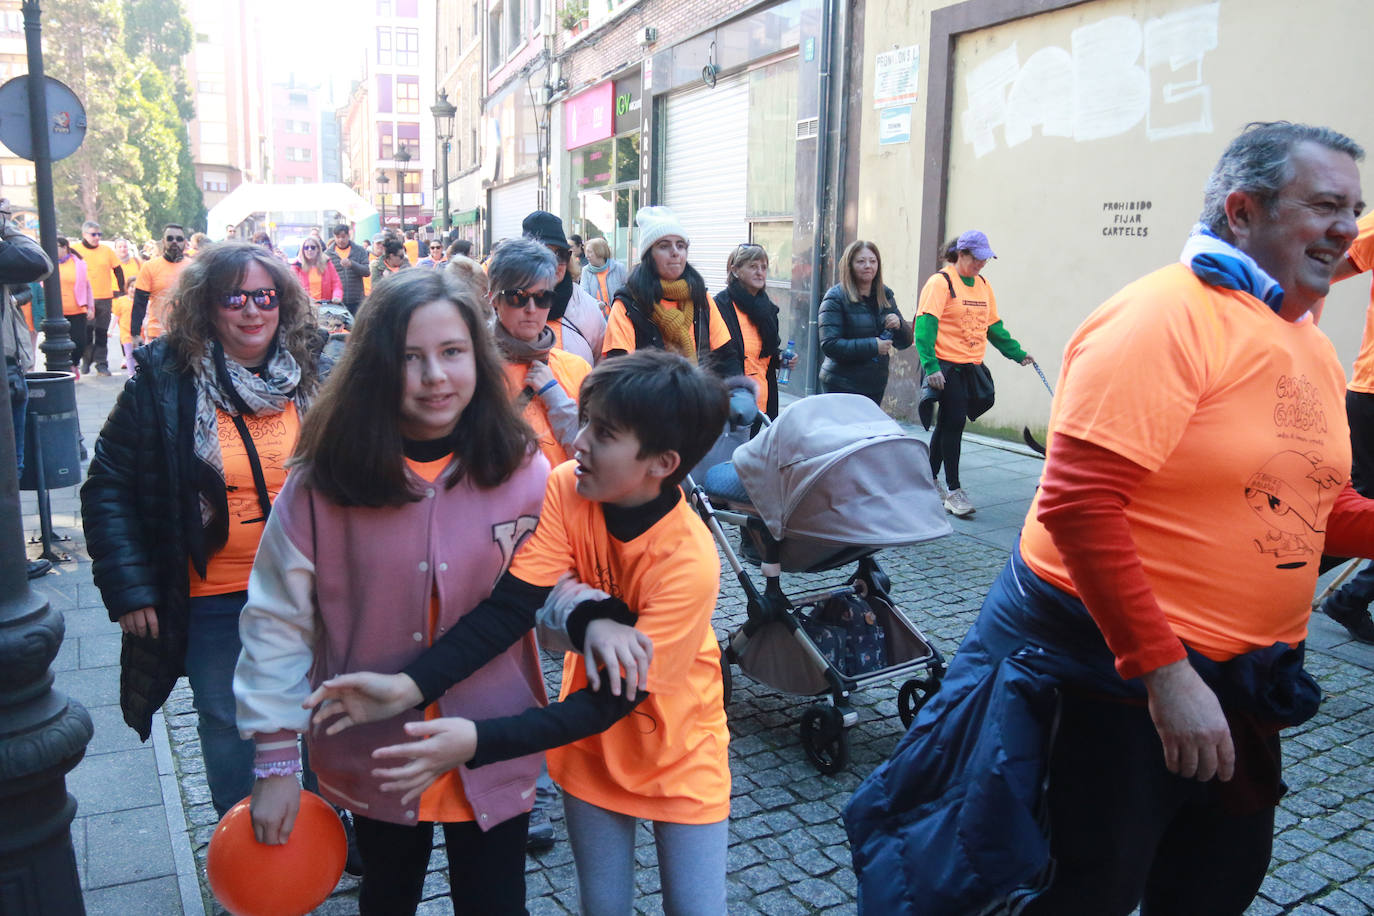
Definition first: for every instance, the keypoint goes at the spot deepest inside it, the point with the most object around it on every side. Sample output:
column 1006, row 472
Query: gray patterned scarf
column 222, row 384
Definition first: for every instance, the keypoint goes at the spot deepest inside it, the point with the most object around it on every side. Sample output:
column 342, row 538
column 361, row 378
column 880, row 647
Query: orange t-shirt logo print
column 1288, row 494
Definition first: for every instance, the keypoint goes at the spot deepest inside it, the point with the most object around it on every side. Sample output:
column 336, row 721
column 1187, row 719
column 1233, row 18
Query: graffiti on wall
column 1116, row 74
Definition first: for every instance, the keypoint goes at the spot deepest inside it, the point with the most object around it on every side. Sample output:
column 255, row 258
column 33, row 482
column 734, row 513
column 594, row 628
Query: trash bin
column 52, row 430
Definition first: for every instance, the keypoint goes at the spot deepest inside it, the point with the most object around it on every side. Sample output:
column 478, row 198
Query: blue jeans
column 212, row 651
column 19, row 388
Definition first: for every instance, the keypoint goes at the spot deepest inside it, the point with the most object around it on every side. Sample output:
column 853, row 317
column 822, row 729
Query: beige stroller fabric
column 834, row 471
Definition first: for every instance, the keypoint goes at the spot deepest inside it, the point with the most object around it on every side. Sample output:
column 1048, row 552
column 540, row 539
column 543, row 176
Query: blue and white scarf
column 1219, row 263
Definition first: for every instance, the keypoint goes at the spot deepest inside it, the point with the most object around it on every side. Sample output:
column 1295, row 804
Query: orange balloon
column 249, row 878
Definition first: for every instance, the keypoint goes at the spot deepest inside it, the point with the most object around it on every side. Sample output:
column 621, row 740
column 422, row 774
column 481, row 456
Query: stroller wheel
column 914, row 694
column 823, row 738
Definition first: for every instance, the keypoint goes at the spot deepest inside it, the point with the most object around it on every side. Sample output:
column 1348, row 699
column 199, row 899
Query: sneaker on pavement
column 39, row 568
column 957, row 503
column 540, row 838
column 1356, row 621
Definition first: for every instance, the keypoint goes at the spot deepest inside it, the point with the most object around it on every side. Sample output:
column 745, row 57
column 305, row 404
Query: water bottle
column 785, row 370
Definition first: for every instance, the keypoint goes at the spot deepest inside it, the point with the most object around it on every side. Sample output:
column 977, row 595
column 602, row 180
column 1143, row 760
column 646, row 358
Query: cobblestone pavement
column 788, row 852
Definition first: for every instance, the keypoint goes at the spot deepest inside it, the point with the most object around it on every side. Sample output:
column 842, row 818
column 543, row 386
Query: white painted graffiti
column 1100, row 87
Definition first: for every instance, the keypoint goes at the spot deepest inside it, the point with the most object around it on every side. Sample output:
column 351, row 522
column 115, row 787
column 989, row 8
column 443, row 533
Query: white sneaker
column 957, row 504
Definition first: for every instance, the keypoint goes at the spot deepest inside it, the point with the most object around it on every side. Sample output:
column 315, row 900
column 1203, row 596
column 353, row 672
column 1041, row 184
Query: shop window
column 627, row 158
column 772, row 141
column 776, row 238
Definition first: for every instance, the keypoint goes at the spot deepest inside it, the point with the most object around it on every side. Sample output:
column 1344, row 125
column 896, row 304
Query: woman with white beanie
column 664, row 305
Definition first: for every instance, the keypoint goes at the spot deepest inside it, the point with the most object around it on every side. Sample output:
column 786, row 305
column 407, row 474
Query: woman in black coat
column 181, row 482
column 860, row 326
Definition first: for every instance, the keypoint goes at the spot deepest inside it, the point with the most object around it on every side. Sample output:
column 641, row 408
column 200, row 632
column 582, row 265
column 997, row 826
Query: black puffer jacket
column 142, row 521
column 726, row 362
column 849, row 332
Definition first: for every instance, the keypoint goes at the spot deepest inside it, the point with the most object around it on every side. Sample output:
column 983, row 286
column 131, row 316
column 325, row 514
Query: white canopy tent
column 247, row 199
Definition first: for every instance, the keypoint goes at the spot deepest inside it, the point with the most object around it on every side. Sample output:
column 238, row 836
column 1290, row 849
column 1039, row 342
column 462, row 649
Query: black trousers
column 96, row 345
column 486, row 871
column 947, row 441
column 1125, row 831
column 77, row 329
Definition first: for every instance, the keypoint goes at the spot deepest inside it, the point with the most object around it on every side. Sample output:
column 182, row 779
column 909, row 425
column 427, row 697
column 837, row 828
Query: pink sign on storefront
column 589, row 116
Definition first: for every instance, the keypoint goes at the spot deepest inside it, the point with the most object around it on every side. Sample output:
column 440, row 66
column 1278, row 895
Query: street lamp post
column 402, row 161
column 443, row 111
column 383, row 181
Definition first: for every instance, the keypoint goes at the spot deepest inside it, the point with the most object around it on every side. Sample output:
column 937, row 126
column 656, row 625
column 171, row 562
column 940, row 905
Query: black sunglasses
column 96, row 233
column 310, row 248
column 518, row 297
column 264, row 299
column 174, row 238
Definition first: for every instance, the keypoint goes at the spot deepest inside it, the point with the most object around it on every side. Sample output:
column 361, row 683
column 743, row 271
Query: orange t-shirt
column 620, row 333
column 667, row 760
column 274, row 436
column 100, row 264
column 755, row 363
column 122, row 307
column 67, row 274
column 1239, row 417
column 964, row 319
column 1361, row 254
column 158, row 278
column 569, row 371
column 412, row 251
column 445, row 801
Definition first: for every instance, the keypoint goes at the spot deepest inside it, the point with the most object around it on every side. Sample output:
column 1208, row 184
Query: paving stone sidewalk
column 145, row 819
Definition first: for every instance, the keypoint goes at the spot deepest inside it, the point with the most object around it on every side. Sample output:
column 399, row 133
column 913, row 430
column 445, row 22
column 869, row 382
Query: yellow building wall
column 1080, row 141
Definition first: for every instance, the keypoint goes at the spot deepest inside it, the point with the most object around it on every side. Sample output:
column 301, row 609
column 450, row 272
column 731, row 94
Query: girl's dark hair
column 63, row 242
column 199, row 296
column 949, row 251
column 646, row 289
column 363, row 395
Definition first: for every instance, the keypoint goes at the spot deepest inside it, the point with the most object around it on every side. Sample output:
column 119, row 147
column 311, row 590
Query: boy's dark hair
column 364, row 392
column 669, row 405
column 391, row 246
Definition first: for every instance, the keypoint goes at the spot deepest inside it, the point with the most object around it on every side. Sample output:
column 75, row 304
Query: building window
column 407, row 47
column 494, row 33
column 384, row 92
column 297, row 99
column 384, row 46
column 407, row 9
column 383, row 7
column 408, row 135
column 299, row 154
column 386, row 148
column 411, row 181
column 214, row 181
column 514, row 25
column 408, row 95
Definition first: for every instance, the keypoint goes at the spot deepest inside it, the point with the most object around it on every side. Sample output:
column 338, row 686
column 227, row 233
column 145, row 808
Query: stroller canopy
column 834, row 467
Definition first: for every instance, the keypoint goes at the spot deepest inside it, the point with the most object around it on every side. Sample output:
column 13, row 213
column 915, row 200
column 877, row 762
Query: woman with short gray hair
column 542, row 377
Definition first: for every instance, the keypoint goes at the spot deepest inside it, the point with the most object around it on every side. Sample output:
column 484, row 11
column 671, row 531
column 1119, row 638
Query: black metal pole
column 57, row 331
column 443, row 168
column 401, row 200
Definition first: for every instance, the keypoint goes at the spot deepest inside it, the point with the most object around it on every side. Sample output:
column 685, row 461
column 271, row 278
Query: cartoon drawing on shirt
column 973, row 325
column 1288, row 494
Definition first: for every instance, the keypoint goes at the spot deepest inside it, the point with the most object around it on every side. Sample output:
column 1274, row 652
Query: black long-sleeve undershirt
column 585, row 712
column 139, row 311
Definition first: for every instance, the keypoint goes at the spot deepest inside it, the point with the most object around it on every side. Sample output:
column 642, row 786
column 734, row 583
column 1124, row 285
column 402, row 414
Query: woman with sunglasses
column 436, row 257
column 542, row 378
column 316, row 273
column 753, row 321
column 181, row 482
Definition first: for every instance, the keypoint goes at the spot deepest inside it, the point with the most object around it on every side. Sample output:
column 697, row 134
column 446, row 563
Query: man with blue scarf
column 1107, row 735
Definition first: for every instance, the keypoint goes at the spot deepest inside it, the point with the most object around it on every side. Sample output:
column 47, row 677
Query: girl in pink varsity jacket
column 415, row 481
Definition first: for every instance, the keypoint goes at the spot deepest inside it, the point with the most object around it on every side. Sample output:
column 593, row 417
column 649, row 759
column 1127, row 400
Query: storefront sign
column 894, row 76
column 587, row 116
column 627, row 104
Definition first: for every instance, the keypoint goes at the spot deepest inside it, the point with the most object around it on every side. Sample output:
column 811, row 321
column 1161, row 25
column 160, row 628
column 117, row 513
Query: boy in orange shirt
column 616, row 520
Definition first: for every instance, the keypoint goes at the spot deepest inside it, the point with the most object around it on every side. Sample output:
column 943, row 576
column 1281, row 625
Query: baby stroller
column 830, row 483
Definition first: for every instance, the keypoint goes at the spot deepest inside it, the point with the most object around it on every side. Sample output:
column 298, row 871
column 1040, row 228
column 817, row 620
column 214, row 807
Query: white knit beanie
column 655, row 223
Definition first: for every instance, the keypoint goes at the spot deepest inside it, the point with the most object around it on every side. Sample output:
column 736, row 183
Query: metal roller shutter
column 509, row 207
column 706, row 170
